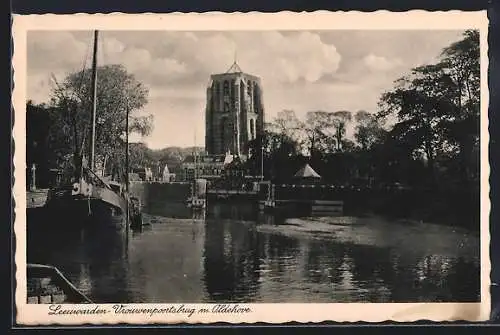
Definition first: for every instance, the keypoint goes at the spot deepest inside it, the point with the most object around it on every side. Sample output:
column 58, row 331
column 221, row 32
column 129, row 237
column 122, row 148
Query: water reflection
column 231, row 259
column 168, row 209
column 93, row 260
column 229, row 253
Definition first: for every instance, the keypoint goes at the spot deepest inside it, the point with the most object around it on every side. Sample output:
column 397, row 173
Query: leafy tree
column 117, row 92
column 325, row 131
column 421, row 102
column 340, row 120
column 319, row 129
column 38, row 122
column 285, row 132
column 437, row 109
column 140, row 155
column 368, row 130
column 276, row 149
column 462, row 63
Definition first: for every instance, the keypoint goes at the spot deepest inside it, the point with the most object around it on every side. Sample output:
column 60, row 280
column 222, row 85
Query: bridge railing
column 308, row 192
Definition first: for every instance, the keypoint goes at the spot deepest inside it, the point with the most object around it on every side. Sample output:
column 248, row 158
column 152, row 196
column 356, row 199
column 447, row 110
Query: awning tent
column 307, row 172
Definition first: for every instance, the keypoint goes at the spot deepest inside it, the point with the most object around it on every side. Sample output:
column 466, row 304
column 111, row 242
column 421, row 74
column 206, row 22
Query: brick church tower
column 234, row 112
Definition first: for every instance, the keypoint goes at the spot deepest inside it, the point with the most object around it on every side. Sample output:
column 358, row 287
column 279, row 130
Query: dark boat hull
column 73, row 212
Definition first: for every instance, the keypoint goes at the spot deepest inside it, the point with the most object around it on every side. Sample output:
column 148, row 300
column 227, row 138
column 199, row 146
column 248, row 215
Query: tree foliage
column 340, row 120
column 368, row 130
column 437, row 108
column 318, row 130
column 117, row 92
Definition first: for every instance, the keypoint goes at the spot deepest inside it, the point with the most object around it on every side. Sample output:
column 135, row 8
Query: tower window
column 217, row 94
column 223, row 126
column 227, row 102
column 233, row 91
column 249, row 90
column 242, row 95
column 256, row 101
column 252, row 129
column 217, row 88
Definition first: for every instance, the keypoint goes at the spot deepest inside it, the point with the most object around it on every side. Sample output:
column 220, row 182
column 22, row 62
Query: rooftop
column 235, row 68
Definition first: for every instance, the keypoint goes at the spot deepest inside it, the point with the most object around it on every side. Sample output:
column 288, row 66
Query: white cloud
column 380, row 63
column 288, row 59
column 55, row 50
column 134, row 59
column 168, row 67
column 271, row 54
column 112, row 45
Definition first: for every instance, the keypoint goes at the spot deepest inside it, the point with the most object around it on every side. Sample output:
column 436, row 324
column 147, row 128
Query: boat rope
column 89, row 195
column 84, row 66
column 89, row 207
column 81, row 154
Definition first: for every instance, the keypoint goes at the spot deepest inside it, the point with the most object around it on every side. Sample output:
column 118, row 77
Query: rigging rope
column 84, row 65
column 89, row 207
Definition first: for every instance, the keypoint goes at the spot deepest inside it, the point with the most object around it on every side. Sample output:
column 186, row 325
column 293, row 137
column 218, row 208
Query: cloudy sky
column 302, row 71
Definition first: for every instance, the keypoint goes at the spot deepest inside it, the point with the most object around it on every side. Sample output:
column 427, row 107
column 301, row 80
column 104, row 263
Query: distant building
column 234, row 116
column 235, row 175
column 167, row 176
column 234, row 112
column 209, row 167
column 144, row 173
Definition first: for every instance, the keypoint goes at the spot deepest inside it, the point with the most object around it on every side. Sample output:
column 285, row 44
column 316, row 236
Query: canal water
column 232, row 253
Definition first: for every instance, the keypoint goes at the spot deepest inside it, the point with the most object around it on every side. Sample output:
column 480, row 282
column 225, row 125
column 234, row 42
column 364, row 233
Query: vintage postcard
column 199, row 168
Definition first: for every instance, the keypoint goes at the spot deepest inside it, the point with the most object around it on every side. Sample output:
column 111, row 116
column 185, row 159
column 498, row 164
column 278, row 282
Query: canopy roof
column 307, row 172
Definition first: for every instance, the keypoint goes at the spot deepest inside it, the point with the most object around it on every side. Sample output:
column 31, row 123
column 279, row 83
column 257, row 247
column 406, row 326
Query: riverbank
column 460, row 208
column 454, row 207
column 457, row 209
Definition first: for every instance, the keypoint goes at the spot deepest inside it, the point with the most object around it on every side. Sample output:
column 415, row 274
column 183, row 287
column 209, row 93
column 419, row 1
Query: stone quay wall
column 157, row 191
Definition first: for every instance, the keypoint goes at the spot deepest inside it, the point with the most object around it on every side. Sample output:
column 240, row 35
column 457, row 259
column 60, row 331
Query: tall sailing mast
column 94, row 189
column 194, row 151
column 94, row 102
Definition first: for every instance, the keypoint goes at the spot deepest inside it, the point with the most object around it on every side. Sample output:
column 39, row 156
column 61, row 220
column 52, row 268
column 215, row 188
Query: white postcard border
column 271, row 313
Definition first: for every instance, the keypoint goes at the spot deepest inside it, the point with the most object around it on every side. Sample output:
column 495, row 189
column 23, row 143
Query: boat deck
column 36, row 198
column 43, row 291
column 47, row 285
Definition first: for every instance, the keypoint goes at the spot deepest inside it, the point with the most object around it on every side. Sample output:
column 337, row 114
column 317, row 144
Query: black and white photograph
column 232, row 167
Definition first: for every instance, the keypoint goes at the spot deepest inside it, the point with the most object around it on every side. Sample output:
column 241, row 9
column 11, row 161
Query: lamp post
column 127, row 151
column 33, row 177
